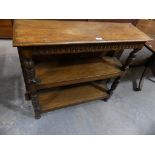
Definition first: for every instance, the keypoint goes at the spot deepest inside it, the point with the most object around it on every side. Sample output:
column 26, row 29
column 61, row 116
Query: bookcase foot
column 37, row 115
column 27, row 96
column 105, row 99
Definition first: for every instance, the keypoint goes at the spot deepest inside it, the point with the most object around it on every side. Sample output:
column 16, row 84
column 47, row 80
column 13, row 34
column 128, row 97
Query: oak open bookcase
column 78, row 61
column 74, row 81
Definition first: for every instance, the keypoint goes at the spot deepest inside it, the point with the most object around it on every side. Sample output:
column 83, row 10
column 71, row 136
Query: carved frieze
column 80, row 48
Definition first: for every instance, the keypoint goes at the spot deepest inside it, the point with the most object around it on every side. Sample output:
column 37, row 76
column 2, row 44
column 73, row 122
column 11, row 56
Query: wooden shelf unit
column 66, row 73
column 72, row 82
column 60, row 73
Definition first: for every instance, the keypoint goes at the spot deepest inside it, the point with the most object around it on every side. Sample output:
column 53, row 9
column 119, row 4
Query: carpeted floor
column 127, row 112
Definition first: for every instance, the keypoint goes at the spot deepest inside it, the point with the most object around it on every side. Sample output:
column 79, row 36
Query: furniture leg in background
column 149, row 64
column 148, row 27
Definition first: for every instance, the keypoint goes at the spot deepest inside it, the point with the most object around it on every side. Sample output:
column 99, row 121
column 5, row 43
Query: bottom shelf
column 70, row 95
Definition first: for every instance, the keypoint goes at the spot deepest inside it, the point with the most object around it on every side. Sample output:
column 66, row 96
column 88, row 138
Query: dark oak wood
column 6, row 28
column 70, row 95
column 61, row 73
column 72, row 40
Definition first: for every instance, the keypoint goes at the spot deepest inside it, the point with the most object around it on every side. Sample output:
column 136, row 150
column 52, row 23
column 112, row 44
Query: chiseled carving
column 79, row 48
column 30, row 74
column 29, row 69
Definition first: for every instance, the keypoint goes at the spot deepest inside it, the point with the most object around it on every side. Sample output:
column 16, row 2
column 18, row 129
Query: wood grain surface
column 67, row 96
column 148, row 26
column 61, row 73
column 52, row 32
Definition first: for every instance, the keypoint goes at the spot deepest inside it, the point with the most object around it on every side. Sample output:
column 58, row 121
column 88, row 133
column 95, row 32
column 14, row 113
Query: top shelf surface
column 53, row 32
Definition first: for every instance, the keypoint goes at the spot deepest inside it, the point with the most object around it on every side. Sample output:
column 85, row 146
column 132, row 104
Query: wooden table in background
column 147, row 26
column 77, row 64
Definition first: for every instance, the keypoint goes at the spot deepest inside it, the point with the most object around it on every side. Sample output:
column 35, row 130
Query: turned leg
column 124, row 68
column 113, row 87
column 130, row 59
column 29, row 71
column 27, row 94
column 141, row 81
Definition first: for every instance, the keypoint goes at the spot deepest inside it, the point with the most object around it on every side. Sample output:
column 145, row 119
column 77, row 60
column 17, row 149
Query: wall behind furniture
column 6, row 27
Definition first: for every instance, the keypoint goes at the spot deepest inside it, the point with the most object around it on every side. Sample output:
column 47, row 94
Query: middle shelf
column 61, row 73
